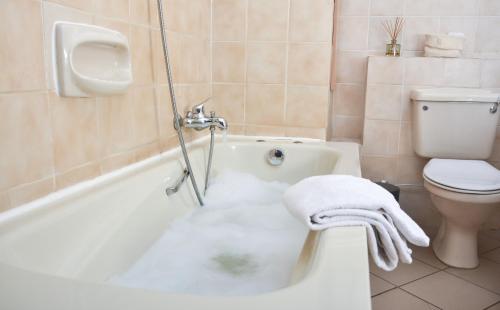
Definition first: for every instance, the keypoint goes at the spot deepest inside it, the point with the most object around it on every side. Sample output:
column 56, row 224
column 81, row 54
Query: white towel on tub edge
column 323, row 202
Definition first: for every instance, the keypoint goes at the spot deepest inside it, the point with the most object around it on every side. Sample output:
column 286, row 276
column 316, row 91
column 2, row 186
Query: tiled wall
column 387, row 151
column 271, row 65
column 361, row 35
column 48, row 142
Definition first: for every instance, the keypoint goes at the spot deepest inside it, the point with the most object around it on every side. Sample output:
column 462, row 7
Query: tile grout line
column 468, row 281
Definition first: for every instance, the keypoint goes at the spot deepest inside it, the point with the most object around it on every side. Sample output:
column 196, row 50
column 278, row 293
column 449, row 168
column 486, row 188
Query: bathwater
column 242, row 242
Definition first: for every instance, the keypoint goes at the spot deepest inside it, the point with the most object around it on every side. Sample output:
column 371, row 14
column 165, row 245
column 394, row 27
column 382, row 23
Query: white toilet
column 457, row 129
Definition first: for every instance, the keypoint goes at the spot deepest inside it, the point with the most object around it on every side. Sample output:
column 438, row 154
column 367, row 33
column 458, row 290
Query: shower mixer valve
column 197, row 119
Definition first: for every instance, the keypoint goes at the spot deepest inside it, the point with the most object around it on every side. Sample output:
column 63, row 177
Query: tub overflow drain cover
column 276, row 156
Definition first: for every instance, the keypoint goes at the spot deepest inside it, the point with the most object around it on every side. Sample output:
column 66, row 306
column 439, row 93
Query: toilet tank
column 455, row 123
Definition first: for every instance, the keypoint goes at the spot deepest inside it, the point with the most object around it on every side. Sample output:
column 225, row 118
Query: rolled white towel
column 445, row 41
column 437, row 52
column 322, row 202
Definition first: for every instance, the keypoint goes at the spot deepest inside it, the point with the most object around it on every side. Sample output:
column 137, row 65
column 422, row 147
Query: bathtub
column 58, row 252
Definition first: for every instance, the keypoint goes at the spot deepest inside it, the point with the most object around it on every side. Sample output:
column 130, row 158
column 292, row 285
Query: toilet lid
column 471, row 175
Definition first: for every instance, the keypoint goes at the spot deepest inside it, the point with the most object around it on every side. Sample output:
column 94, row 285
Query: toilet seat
column 463, row 176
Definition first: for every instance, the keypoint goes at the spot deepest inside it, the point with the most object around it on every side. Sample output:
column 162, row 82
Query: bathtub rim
column 87, row 186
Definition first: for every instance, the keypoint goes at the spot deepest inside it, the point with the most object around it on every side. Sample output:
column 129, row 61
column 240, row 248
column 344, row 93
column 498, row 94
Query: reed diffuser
column 393, row 29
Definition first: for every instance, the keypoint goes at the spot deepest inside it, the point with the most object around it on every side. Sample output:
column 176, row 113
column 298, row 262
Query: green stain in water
column 235, row 264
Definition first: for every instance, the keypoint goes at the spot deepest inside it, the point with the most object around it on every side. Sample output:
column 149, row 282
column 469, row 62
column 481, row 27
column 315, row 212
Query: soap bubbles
column 242, row 242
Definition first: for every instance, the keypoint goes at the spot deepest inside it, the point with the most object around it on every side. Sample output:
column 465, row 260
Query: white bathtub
column 58, row 252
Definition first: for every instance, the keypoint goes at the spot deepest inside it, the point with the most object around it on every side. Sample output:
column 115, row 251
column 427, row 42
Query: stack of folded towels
column 442, row 45
column 322, row 202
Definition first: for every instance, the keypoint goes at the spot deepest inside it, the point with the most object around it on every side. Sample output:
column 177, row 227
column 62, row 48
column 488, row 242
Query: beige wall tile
column 458, row 7
column 307, row 106
column 351, row 67
column 229, row 20
column 31, row 191
column 306, row 64
column 421, row 8
column 113, row 24
column 265, row 104
column 52, row 13
column 380, row 137
column 462, row 72
column 228, row 62
column 77, row 175
column 406, row 140
column 74, row 130
column 415, row 30
column 387, row 8
column 139, row 11
column 118, row 161
column 488, row 35
column 146, row 151
column 4, row 202
column 25, row 140
column 266, row 63
column 347, row 127
column 144, row 115
column 142, row 66
column 115, row 117
column 228, row 102
column 424, row 71
column 386, row 70
column 465, row 25
column 301, row 132
column 490, row 73
column 349, row 100
column 21, row 56
column 113, row 8
column 489, row 7
column 158, row 60
column 354, row 7
column 165, row 114
column 377, row 36
column 353, row 33
column 311, row 21
column 272, row 131
column 377, row 168
column 267, row 20
column 383, row 102
column 85, row 5
column 410, row 169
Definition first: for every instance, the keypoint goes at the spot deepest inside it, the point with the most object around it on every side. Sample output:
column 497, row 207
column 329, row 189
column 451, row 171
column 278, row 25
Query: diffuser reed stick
column 393, row 29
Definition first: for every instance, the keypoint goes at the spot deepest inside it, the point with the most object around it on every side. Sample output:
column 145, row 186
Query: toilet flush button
column 425, row 108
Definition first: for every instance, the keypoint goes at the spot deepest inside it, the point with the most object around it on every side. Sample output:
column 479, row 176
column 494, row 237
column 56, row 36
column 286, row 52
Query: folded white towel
column 437, row 52
column 341, row 200
column 444, row 41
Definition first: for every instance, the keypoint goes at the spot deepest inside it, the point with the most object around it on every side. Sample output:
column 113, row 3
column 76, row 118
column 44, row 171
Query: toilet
column 456, row 128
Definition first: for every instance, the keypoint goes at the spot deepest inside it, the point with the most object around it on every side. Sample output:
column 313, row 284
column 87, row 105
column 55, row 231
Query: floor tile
column 397, row 300
column 451, row 293
column 486, row 243
column 494, row 307
column 493, row 255
column 404, row 273
column 379, row 285
column 427, row 256
column 487, row 275
column 493, row 233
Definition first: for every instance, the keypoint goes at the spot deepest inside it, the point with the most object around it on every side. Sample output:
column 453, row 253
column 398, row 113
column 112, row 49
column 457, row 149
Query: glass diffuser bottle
column 393, row 29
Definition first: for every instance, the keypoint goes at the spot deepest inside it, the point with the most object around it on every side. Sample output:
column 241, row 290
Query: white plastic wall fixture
column 90, row 61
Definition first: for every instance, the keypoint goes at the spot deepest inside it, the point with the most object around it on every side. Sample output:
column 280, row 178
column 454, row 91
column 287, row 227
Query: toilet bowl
column 466, row 193
column 457, row 129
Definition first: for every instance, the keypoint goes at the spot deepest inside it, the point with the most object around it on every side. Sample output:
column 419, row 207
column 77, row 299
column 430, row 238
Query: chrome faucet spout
column 197, row 120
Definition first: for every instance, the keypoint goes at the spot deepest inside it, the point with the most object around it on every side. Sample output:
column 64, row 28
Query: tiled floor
column 427, row 283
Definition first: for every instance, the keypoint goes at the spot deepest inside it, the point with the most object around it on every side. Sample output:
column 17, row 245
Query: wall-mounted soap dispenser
column 90, row 61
